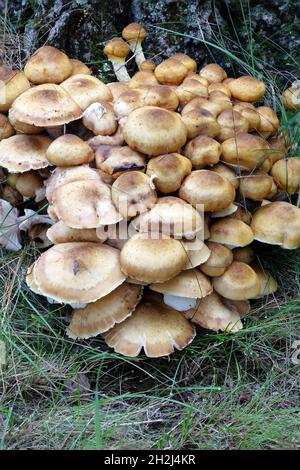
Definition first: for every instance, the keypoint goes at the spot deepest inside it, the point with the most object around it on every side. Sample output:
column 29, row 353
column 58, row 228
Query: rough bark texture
column 81, row 27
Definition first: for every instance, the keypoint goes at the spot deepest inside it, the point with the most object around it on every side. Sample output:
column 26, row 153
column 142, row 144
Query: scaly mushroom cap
column 231, row 232
column 247, row 89
column 186, row 60
column 46, row 105
column 13, row 84
column 244, row 254
column 256, row 185
column 80, row 272
column 189, row 89
column 79, row 67
column 6, row 129
column 171, row 216
column 154, row 131
column 116, row 160
column 277, row 223
column 231, row 124
column 69, row 150
column 249, row 112
column 228, row 173
column 220, row 258
column 21, row 153
column 190, row 283
column 48, row 65
column 203, row 151
column 239, row 282
column 268, row 284
column 168, row 171
column 100, row 316
column 170, row 72
column 245, row 151
column 152, row 259
column 211, row 313
column 153, row 326
column 286, row 173
column 61, row 233
column 200, row 122
column 269, row 123
column 86, row 90
column 208, row 188
column 213, row 73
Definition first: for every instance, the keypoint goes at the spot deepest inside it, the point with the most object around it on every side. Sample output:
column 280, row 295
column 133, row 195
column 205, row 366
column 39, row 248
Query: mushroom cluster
column 156, row 187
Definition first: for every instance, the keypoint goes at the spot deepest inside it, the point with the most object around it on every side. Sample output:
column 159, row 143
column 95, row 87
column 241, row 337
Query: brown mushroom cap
column 48, row 65
column 171, row 72
column 162, row 96
column 6, row 129
column 159, row 131
column 203, row 151
column 291, row 99
column 247, row 88
column 142, row 78
column 244, row 254
column 134, row 31
column 213, row 73
column 277, row 223
column 249, row 112
column 117, row 49
column 278, row 148
column 231, row 123
column 20, row 153
column 269, row 123
column 243, row 214
column 200, row 122
column 190, row 89
column 286, row 173
column 186, row 60
column 231, row 232
column 148, row 65
column 191, row 283
column 214, row 107
column 13, row 84
column 256, row 185
column 69, row 150
column 116, row 160
column 208, row 188
column 168, row 171
column 220, row 87
column 29, row 183
column 86, row 90
column 61, row 233
column 268, row 284
column 245, row 150
column 220, row 258
column 197, row 253
column 79, row 67
column 239, row 282
column 228, row 173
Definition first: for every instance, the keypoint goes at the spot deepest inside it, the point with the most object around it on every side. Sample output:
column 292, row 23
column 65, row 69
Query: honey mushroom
column 134, row 33
column 116, row 51
column 168, row 171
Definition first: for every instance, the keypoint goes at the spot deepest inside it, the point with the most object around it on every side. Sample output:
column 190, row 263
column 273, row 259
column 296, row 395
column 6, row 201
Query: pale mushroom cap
column 228, row 173
column 117, row 88
column 78, row 272
column 242, row 214
column 269, row 122
column 69, row 150
column 245, row 150
column 244, row 254
column 153, row 326
column 48, row 65
column 203, row 151
column 208, row 188
column 152, row 260
column 170, row 72
column 215, row 108
column 61, row 233
column 231, row 232
column 21, row 153
column 286, row 173
column 13, row 84
column 45, row 106
column 231, row 123
column 220, row 258
column 142, row 78
column 134, row 31
column 168, row 171
column 116, row 160
column 186, row 60
column 256, row 185
column 100, row 118
column 277, row 223
column 100, row 316
column 247, row 88
column 85, row 90
column 200, row 122
column 6, row 129
column 268, row 284
column 79, row 67
column 159, row 131
column 239, row 282
column 190, row 283
column 29, row 183
column 213, row 73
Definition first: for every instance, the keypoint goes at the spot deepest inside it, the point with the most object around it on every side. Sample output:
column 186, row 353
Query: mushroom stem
column 120, row 70
column 137, row 50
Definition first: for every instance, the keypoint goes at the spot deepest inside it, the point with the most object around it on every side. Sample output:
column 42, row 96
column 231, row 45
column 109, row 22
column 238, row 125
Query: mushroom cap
column 159, row 131
column 277, row 223
column 278, row 148
column 186, row 60
column 189, row 89
column 256, row 185
column 291, row 99
column 154, row 326
column 100, row 118
column 208, row 188
column 245, row 150
column 128, row 101
column 61, row 233
column 117, row 49
column 249, row 112
column 231, row 123
column 247, row 88
column 244, row 254
column 13, row 84
column 202, row 151
column 134, row 31
column 168, row 171
column 213, row 73
column 48, row 65
column 162, row 96
column 269, row 122
column 148, row 65
column 142, row 78
column 69, row 150
column 219, row 87
column 212, row 313
column 100, row 316
column 46, row 105
column 86, row 90
column 29, row 183
column 243, row 214
column 171, row 216
column 152, row 259
column 220, row 258
column 228, row 173
column 116, row 160
column 286, row 173
column 242, row 307
column 20, row 153
column 117, row 88
column 214, row 107
column 132, row 193
column 197, row 253
column 231, row 232
column 200, row 122
column 6, row 129
column 268, row 284
column 80, row 272
column 239, row 282
column 171, row 72
column 190, row 283
column 79, row 67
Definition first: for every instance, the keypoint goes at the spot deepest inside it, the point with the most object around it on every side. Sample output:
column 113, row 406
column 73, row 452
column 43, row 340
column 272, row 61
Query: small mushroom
column 171, row 72
column 61, row 233
column 200, row 122
column 6, row 129
column 69, row 150
column 186, row 60
column 79, row 67
column 48, row 65
column 202, row 151
column 286, row 173
column 13, row 84
column 148, row 65
column 250, row 113
column 197, row 253
column 244, row 254
column 247, row 88
column 100, row 118
column 21, row 153
column 239, row 282
column 269, row 123
column 227, row 172
column 256, row 185
column 30, row 185
column 117, row 50
column 231, row 233
column 36, row 225
column 213, row 73
column 268, row 284
column 291, row 98
column 246, row 151
column 113, row 161
column 190, row 89
column 86, row 90
column 134, row 33
column 220, row 258
column 168, row 171
column 231, row 123
column 142, row 78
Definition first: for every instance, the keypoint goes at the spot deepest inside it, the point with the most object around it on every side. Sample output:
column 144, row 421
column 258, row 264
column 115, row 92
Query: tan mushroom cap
column 69, row 150
column 148, row 65
column 243, row 214
column 191, row 283
column 186, row 60
column 242, row 307
column 277, row 223
column 197, row 253
column 128, row 101
column 245, row 151
column 231, row 232
column 20, row 153
column 162, row 96
column 189, row 89
column 200, row 122
column 132, row 194
column 286, row 173
column 134, row 31
column 100, row 118
column 116, row 160
column 6, row 129
column 247, row 88
column 214, row 107
column 142, row 78
column 48, row 65
column 46, row 105
column 239, row 282
column 244, row 254
column 171, row 72
column 86, row 90
column 152, row 259
column 80, row 272
column 171, row 216
column 28, row 184
column 22, row 128
column 268, row 284
column 13, row 84
column 269, row 122
column 202, row 151
column 220, row 258
column 61, row 233
column 250, row 113
column 168, row 171
column 154, row 326
column 208, row 188
column 256, row 185
column 117, row 49
column 213, row 73
column 159, row 131
column 100, row 316
column 291, row 98
column 231, row 124
column 79, row 67
column 278, row 148
column 212, row 313
column 117, row 88
column 228, row 173
column 220, row 87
